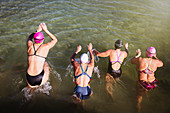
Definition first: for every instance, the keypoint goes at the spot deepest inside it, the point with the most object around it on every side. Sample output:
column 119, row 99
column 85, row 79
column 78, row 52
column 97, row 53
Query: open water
column 141, row 23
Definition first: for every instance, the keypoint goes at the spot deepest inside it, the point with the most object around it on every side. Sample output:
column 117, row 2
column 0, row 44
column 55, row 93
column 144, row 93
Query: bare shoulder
column 158, row 62
column 110, row 50
column 124, row 53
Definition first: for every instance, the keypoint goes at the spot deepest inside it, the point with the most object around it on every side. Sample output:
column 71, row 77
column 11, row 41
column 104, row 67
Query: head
column 151, row 51
column 38, row 37
column 118, row 44
column 84, row 58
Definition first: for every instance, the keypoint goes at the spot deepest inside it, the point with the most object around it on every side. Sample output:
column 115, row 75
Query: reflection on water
column 78, row 22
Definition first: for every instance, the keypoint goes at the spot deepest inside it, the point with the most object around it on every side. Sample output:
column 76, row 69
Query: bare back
column 117, row 57
column 36, row 63
column 149, row 65
column 83, row 80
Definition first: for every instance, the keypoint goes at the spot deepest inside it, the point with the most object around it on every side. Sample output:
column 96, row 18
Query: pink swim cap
column 38, row 37
column 151, row 51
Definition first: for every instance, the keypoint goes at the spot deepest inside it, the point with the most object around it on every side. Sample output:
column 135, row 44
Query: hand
column 39, row 28
column 138, row 52
column 90, row 46
column 78, row 49
column 44, row 27
column 126, row 45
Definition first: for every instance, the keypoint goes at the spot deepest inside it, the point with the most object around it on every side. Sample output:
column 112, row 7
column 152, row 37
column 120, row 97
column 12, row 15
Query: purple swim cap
column 38, row 37
column 151, row 51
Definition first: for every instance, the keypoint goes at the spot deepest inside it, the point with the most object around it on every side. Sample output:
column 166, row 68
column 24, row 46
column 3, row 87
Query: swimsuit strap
column 82, row 68
column 83, row 72
column 118, row 56
column 147, row 69
column 35, row 51
column 150, row 63
column 149, row 66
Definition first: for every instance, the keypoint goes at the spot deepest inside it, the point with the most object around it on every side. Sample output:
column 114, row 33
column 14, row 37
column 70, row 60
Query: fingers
column 43, row 25
column 39, row 28
column 90, row 46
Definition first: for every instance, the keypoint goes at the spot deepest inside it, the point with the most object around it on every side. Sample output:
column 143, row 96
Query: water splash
column 58, row 75
column 28, row 94
column 96, row 70
column 69, row 70
column 96, row 58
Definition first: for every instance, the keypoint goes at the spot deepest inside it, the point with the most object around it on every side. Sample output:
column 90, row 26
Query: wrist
column 137, row 56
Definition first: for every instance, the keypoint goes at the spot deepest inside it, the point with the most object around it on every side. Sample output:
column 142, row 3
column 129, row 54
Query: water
column 141, row 23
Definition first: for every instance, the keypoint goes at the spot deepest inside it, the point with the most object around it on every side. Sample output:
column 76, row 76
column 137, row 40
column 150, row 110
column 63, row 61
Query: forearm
column 91, row 56
column 51, row 35
column 73, row 56
column 126, row 49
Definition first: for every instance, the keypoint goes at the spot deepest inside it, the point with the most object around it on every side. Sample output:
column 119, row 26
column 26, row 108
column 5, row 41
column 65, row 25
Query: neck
column 117, row 49
column 38, row 43
column 146, row 56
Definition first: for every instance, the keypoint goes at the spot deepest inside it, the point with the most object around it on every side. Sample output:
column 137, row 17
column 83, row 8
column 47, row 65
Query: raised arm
column 90, row 46
column 75, row 53
column 102, row 54
column 126, row 48
column 136, row 58
column 54, row 39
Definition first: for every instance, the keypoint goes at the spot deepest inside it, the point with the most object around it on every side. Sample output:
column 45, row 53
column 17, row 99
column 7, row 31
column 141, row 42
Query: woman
column 83, row 73
column 38, row 68
column 146, row 68
column 116, row 57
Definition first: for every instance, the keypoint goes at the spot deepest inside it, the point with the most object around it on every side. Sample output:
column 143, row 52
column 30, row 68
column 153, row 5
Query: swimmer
column 38, row 68
column 146, row 68
column 116, row 58
column 83, row 73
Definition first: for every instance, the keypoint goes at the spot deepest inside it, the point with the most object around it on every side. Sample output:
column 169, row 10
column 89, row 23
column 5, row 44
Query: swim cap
column 38, row 37
column 84, row 58
column 151, row 51
column 118, row 44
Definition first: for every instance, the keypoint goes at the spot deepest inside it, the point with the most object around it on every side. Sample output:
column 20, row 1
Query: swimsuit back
column 35, row 51
column 83, row 72
column 117, row 61
column 147, row 70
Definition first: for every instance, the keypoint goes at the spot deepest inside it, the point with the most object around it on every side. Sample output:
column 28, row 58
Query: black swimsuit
column 114, row 73
column 37, row 79
column 111, row 71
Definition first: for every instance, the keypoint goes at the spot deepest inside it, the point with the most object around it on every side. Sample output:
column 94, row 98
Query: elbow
column 55, row 40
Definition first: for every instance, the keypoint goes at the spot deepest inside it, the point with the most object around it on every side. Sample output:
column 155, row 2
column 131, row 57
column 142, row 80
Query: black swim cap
column 118, row 44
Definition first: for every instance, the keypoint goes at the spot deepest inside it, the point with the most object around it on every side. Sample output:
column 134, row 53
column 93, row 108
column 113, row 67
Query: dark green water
column 141, row 23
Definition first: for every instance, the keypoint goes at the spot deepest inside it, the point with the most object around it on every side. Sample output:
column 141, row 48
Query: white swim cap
column 84, row 58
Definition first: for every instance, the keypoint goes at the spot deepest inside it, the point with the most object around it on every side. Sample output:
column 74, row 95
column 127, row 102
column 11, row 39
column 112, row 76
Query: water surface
column 141, row 23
